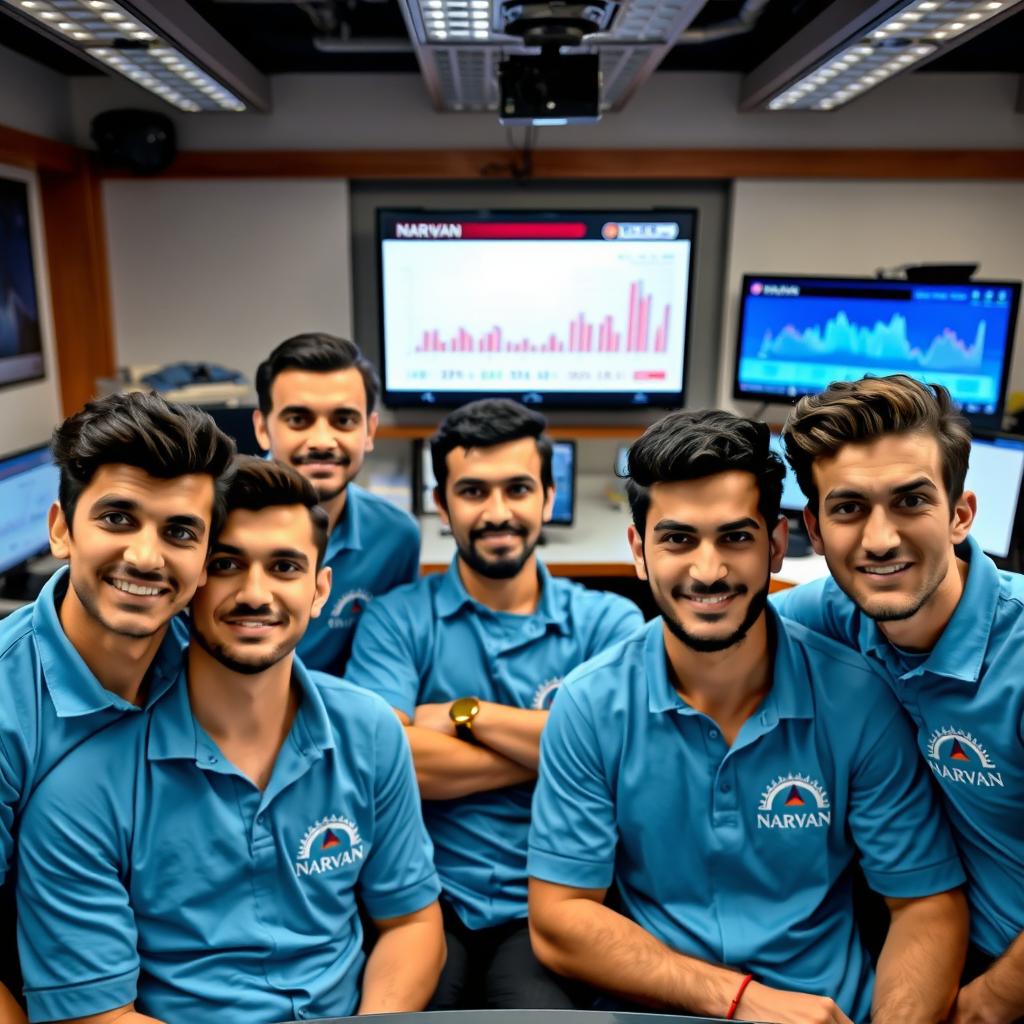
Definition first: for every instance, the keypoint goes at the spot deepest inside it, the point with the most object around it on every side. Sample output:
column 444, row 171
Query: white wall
column 33, row 98
column 223, row 270
column 673, row 109
column 855, row 227
column 30, row 411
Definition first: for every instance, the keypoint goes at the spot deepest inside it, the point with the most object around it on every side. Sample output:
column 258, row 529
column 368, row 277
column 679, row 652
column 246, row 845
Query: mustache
column 487, row 531
column 332, row 458
column 717, row 589
column 247, row 611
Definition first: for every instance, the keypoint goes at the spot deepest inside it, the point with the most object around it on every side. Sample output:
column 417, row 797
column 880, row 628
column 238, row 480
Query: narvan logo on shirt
column 794, row 801
column 331, row 843
column 957, row 756
column 348, row 608
column 544, row 695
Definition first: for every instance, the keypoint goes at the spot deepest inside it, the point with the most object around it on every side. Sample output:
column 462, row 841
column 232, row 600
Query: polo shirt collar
column 176, row 735
column 960, row 651
column 452, row 597
column 789, row 696
column 72, row 687
column 347, row 534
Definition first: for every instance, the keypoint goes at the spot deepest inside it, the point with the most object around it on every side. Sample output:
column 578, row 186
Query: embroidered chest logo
column 332, row 843
column 957, row 756
column 347, row 609
column 544, row 695
column 794, row 801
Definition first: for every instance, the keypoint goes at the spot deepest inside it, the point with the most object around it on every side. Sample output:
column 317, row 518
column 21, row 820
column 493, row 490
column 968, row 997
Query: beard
column 913, row 605
column 325, row 491
column 504, row 568
column 89, row 599
column 711, row 645
column 232, row 661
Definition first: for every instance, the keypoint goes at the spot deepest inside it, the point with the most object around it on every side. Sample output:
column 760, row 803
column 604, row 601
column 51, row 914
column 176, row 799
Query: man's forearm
column 997, row 996
column 512, row 732
column 593, row 943
column 402, row 971
column 10, row 1011
column 921, row 961
column 447, row 768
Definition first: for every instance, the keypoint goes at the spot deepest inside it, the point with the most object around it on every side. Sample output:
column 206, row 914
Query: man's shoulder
column 348, row 701
column 584, row 603
column 385, row 511
column 17, row 634
column 610, row 672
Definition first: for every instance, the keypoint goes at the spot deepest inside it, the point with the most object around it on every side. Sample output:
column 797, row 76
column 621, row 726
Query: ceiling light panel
column 114, row 37
column 907, row 35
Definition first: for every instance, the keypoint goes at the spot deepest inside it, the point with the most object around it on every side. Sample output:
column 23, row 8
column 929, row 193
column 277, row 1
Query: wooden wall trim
column 23, row 149
column 606, row 164
column 79, row 282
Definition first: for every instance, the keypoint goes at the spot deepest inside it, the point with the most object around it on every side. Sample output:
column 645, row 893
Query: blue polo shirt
column 50, row 701
column 175, row 882
column 374, row 548
column 967, row 700
column 742, row 855
column 430, row 642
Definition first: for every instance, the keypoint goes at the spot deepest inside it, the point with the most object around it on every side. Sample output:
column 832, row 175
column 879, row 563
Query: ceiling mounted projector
column 556, row 24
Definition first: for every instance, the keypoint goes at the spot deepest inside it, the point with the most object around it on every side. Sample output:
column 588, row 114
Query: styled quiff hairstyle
column 255, row 484
column 315, row 353
column 861, row 411
column 694, row 445
column 145, row 431
column 484, row 424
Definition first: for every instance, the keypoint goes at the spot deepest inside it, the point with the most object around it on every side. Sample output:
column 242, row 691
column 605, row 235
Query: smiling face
column 885, row 525
column 262, row 588
column 318, row 422
column 495, row 505
column 136, row 549
column 707, row 554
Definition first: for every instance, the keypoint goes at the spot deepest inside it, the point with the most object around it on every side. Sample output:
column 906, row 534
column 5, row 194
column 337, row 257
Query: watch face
column 464, row 710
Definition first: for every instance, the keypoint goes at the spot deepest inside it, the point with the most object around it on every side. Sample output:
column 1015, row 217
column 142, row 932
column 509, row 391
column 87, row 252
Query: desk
column 521, row 1017
column 596, row 545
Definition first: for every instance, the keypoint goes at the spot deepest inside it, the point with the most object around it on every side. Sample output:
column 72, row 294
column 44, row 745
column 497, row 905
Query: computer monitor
column 793, row 499
column 799, row 334
column 552, row 308
column 995, row 474
column 28, row 487
column 21, row 340
column 563, row 472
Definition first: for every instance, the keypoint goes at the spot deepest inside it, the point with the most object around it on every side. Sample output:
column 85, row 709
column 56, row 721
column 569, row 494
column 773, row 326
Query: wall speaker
column 141, row 140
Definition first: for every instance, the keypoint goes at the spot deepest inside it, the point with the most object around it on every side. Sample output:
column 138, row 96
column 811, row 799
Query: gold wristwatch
column 462, row 712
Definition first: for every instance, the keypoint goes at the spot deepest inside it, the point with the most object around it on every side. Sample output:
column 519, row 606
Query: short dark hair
column 693, row 445
column 255, row 484
column 317, row 353
column 861, row 411
column 483, row 424
column 165, row 439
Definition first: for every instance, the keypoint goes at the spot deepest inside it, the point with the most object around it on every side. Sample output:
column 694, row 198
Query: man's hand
column 434, row 717
column 981, row 1003
column 759, row 1002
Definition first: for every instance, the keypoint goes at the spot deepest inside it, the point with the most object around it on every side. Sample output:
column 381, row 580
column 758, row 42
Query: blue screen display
column 799, row 334
column 563, row 470
column 28, row 487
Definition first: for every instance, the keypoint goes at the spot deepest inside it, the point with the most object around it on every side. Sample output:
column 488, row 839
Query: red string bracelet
column 734, row 1005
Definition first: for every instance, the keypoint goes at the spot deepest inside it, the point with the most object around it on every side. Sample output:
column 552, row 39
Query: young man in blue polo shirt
column 213, row 874
column 725, row 770
column 471, row 660
column 882, row 462
column 136, row 509
column 317, row 412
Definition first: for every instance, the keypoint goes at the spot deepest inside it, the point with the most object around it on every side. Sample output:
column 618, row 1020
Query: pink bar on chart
column 664, row 330
column 634, row 289
column 573, row 340
column 588, row 337
column 641, row 331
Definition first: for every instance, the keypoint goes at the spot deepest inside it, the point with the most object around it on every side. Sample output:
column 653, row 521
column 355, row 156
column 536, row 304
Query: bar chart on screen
column 565, row 317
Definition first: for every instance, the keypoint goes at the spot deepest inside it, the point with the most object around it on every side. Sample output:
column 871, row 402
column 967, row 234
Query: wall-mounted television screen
column 555, row 309
column 21, row 340
column 798, row 334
